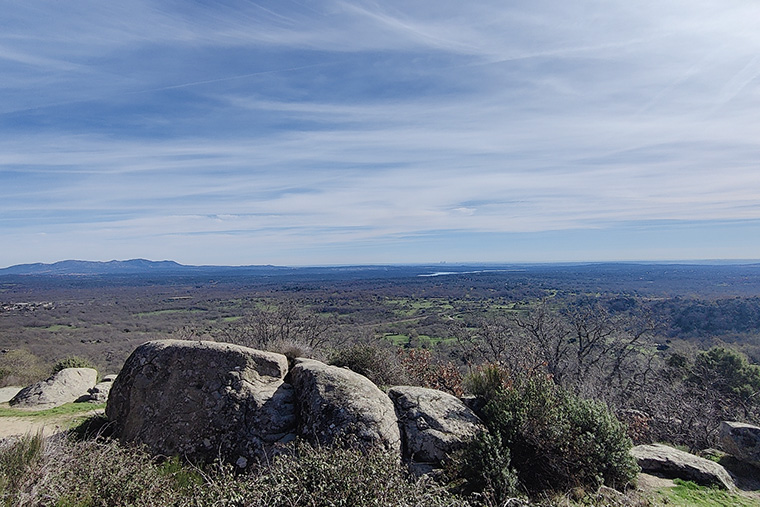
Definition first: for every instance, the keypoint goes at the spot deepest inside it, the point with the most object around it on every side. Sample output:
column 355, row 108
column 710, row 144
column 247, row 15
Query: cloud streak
column 368, row 132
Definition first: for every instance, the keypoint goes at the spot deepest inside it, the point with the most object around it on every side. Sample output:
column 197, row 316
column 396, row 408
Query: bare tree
column 549, row 336
column 287, row 323
column 590, row 350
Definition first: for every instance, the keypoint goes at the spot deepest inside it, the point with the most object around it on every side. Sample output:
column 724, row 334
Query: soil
column 20, row 425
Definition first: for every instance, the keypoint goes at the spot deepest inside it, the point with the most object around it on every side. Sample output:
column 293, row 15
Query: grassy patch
column 67, row 409
column 687, row 493
column 397, row 339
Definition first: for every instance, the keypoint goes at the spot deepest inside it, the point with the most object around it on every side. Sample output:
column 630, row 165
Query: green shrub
column 486, row 467
column 555, row 439
column 728, row 371
column 72, row 362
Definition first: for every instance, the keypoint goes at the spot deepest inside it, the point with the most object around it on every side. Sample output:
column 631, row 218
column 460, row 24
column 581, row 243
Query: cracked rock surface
column 433, row 423
column 203, row 400
column 337, row 404
column 64, row 387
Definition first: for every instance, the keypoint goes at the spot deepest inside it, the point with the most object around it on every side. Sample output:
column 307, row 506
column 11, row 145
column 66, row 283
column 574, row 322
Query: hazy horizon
column 354, row 133
column 442, row 264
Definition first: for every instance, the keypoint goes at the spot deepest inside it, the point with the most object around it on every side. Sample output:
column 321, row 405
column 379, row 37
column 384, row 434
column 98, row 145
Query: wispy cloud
column 292, row 132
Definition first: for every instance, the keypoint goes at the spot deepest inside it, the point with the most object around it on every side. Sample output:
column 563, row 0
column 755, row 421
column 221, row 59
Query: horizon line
column 718, row 261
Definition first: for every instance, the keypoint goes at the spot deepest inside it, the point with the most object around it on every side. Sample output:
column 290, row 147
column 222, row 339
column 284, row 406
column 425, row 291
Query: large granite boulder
column 202, row 400
column 659, row 459
column 741, row 440
column 65, row 386
column 433, row 424
column 337, row 405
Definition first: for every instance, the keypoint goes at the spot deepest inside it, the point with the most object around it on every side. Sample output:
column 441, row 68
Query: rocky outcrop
column 741, row 440
column 335, row 405
column 65, row 386
column 203, row 400
column 669, row 462
column 433, row 424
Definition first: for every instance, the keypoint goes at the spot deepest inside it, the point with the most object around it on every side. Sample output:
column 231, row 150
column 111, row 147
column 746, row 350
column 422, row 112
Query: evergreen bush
column 555, row 439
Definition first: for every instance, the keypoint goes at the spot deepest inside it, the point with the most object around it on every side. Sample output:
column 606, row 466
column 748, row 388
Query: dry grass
column 62, row 471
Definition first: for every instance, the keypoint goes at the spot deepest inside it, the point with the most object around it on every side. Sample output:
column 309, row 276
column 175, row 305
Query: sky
column 320, row 132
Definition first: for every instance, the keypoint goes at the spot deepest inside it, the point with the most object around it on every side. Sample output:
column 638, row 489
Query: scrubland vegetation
column 568, row 369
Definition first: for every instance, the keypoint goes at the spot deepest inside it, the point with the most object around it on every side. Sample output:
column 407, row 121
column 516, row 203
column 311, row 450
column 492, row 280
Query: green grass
column 431, row 341
column 687, row 493
column 397, row 339
column 67, row 409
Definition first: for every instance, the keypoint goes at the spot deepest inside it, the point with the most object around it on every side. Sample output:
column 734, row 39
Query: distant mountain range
column 71, row 267
column 147, row 267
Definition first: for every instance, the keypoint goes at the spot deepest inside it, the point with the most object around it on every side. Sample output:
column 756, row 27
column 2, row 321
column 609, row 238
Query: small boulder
column 659, row 459
column 337, row 404
column 66, row 386
column 433, row 423
column 741, row 440
column 203, row 400
column 98, row 393
column 7, row 393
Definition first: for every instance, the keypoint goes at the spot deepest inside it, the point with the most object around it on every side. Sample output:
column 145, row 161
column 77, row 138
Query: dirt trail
column 21, row 425
column 14, row 426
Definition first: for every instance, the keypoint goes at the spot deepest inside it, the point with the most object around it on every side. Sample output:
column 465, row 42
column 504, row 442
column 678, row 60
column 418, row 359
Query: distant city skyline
column 329, row 132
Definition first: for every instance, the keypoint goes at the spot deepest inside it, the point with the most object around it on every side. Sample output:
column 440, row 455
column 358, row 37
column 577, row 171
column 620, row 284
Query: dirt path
column 21, row 425
column 15, row 426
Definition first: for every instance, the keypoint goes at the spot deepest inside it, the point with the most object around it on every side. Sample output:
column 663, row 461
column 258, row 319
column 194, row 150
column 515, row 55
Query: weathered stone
column 203, row 399
column 741, row 440
column 433, row 423
column 98, row 393
column 336, row 404
column 664, row 460
column 65, row 386
column 7, row 393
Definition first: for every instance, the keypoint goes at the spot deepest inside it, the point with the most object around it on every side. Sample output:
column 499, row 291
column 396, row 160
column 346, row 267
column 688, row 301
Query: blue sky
column 303, row 132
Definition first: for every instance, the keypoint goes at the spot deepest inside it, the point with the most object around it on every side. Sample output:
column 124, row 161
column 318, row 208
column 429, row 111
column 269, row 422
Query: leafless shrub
column 20, row 367
column 287, row 323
